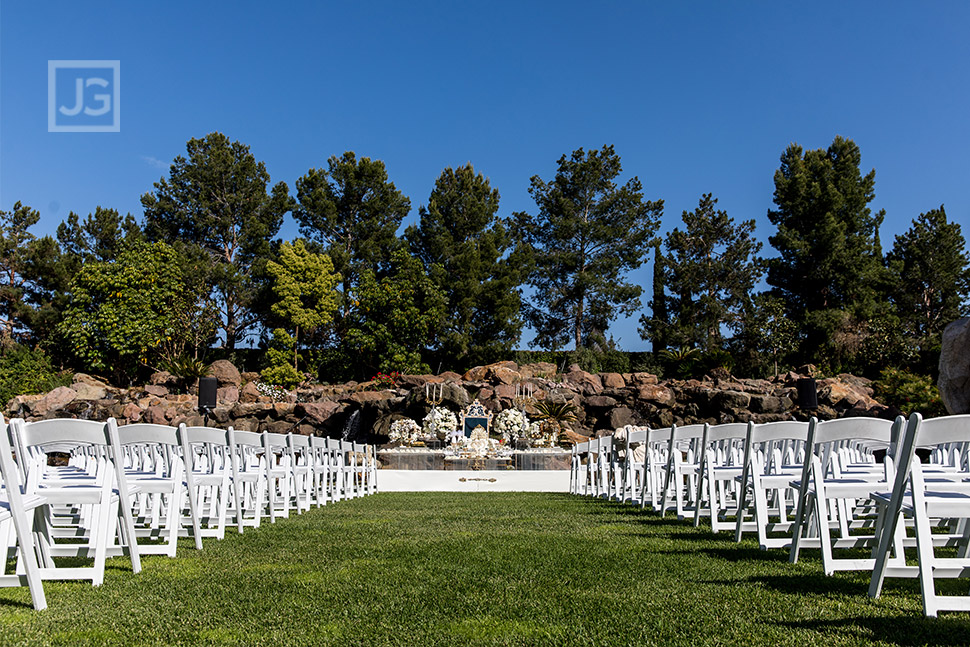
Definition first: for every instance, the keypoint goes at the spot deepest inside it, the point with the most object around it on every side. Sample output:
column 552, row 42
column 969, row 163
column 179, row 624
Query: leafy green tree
column 394, row 317
column 766, row 329
column 830, row 259
column 710, row 268
column 588, row 232
column 305, row 287
column 15, row 241
column 931, row 275
column 466, row 250
column 121, row 311
column 216, row 200
column 354, row 212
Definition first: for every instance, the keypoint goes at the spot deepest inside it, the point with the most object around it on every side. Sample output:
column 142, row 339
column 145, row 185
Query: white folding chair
column 722, row 459
column 279, row 474
column 320, row 453
column 302, row 468
column 774, row 456
column 656, row 447
column 247, row 462
column 683, row 468
column 89, row 500
column 929, row 495
column 158, row 469
column 15, row 505
column 209, row 466
column 633, row 464
column 836, row 487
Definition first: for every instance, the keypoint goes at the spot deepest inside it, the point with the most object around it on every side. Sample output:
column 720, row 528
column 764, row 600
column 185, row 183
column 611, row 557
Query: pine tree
column 710, row 268
column 931, row 275
column 216, row 200
column 829, row 271
column 588, row 232
column 465, row 249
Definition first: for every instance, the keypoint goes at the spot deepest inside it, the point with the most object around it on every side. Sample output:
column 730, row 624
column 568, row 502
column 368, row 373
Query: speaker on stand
column 207, row 396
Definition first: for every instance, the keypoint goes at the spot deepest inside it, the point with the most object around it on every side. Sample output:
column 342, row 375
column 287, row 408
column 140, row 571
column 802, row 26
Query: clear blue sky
column 696, row 96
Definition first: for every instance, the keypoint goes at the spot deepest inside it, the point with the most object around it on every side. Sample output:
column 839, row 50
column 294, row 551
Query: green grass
column 476, row 569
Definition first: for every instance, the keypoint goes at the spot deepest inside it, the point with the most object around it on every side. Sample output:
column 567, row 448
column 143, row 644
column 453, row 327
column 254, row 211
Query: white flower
column 439, row 423
column 405, row 430
column 511, row 424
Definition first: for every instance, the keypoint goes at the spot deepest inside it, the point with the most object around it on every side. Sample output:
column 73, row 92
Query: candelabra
column 523, row 396
column 434, row 394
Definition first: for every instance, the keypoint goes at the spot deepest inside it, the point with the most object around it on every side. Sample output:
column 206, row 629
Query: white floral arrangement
column 278, row 393
column 407, row 431
column 439, row 423
column 511, row 424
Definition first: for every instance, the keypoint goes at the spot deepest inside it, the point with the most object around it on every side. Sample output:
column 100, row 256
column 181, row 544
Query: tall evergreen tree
column 931, row 275
column 710, row 268
column 354, row 212
column 101, row 236
column 464, row 248
column 830, row 261
column 588, row 232
column 216, row 200
column 15, row 240
column 656, row 326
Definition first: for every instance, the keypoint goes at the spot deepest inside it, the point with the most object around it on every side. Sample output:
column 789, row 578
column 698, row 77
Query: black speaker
column 807, row 393
column 207, row 393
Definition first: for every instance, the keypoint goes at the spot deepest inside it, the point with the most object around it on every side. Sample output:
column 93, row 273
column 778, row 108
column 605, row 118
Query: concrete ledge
column 473, row 481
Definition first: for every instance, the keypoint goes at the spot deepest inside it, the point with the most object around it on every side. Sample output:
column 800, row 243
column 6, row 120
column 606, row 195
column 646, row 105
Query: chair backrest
column 144, row 433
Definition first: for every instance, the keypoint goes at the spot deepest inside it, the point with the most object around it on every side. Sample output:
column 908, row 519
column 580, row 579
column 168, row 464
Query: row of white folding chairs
column 899, row 488
column 738, row 475
column 121, row 483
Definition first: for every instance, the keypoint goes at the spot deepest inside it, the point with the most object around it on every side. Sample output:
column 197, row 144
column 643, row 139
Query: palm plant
column 554, row 416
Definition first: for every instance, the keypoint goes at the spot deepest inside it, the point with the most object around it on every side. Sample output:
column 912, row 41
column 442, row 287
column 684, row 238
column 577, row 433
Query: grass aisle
column 478, row 569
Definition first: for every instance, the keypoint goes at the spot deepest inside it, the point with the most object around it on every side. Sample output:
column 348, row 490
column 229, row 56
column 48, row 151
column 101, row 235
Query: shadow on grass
column 15, row 604
column 899, row 630
column 741, row 553
column 812, row 584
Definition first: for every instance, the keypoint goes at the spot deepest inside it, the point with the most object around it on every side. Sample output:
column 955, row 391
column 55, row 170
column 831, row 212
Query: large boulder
column 954, row 381
column 585, row 383
column 53, row 401
column 226, row 373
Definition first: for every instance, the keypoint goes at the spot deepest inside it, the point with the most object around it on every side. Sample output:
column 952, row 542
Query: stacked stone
column 603, row 401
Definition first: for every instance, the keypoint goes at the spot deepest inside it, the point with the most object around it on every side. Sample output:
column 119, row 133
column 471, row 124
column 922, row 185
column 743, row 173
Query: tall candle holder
column 434, row 394
column 523, row 396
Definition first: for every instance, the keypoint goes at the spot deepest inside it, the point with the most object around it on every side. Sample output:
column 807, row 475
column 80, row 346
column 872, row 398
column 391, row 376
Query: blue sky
column 696, row 96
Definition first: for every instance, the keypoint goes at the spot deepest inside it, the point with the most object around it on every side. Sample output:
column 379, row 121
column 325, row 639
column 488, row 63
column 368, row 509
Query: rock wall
column 604, row 401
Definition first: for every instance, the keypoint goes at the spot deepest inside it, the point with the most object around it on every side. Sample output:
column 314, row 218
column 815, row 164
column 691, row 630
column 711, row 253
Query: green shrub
column 24, row 370
column 909, row 392
column 279, row 356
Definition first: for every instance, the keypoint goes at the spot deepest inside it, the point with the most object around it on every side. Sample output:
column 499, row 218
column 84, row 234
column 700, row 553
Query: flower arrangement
column 383, row 381
column 278, row 393
column 407, row 431
column 440, row 423
column 511, row 424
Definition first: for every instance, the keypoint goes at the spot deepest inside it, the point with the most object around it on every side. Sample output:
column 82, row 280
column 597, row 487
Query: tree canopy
column 710, row 269
column 587, row 233
column 830, row 268
column 466, row 250
column 217, row 200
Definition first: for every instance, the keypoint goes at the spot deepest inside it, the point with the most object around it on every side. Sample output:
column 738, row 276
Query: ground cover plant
column 476, row 569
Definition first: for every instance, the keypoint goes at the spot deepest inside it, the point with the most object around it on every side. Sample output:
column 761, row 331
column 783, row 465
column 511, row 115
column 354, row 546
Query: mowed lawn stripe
column 476, row 569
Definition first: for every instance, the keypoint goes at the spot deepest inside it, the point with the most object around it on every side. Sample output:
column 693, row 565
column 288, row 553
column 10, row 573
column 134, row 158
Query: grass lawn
column 476, row 569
